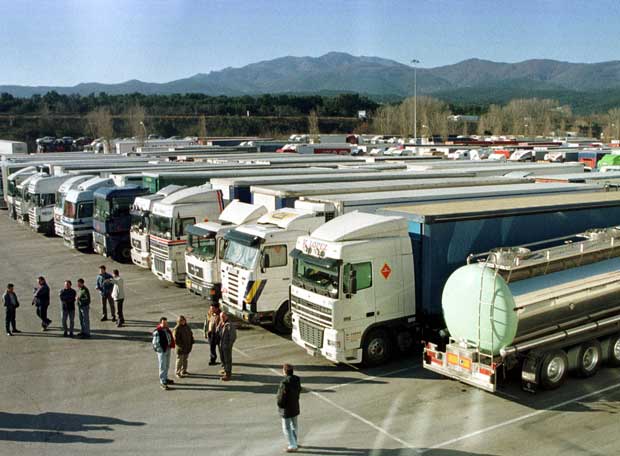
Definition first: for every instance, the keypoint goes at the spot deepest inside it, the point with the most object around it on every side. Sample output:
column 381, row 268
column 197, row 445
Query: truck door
column 360, row 313
column 271, row 286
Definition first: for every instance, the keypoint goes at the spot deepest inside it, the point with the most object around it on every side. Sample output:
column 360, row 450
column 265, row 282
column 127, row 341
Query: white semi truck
column 140, row 223
column 21, row 201
column 206, row 246
column 12, row 182
column 170, row 220
column 42, row 200
column 546, row 310
column 256, row 268
column 64, row 188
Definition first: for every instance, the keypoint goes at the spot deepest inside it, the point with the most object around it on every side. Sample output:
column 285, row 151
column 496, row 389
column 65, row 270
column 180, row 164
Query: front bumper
column 140, row 258
column 212, row 292
column 255, row 318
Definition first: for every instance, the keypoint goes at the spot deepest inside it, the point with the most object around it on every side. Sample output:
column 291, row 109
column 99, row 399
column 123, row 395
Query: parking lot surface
column 65, row 396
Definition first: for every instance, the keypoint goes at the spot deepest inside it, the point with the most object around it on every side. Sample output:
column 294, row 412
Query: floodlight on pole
column 415, row 100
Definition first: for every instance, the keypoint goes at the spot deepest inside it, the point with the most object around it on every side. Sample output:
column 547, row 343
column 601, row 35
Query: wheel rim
column 555, row 369
column 590, row 358
column 616, row 350
column 288, row 319
column 376, row 348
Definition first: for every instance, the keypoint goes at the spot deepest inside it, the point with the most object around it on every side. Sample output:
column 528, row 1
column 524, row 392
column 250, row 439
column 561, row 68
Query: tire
column 585, row 359
column 123, row 254
column 377, row 348
column 283, row 321
column 553, row 369
column 611, row 350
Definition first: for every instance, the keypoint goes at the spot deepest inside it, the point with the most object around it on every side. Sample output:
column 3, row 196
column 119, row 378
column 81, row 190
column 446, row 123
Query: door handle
column 370, row 314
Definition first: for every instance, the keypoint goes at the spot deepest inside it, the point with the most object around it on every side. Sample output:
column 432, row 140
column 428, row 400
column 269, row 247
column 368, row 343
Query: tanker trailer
column 550, row 309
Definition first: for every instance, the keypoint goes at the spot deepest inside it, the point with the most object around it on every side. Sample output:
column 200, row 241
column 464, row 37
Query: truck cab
column 256, row 268
column 13, row 180
column 64, row 188
column 206, row 245
column 77, row 217
column 42, row 200
column 112, row 220
column 140, row 223
column 22, row 201
column 170, row 220
column 352, row 293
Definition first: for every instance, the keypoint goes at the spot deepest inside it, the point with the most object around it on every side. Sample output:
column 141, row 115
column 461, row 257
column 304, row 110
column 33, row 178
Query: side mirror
column 353, row 282
column 264, row 261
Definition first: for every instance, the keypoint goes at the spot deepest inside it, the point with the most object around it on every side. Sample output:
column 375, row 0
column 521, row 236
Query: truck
column 206, row 246
column 64, row 188
column 111, row 220
column 170, row 220
column 12, row 147
column 42, row 200
column 140, row 225
column 13, row 180
column 365, row 286
column 22, row 201
column 77, row 216
column 256, row 270
column 548, row 309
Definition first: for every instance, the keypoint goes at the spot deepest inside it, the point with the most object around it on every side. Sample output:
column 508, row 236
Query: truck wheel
column 123, row 254
column 553, row 369
column 377, row 348
column 585, row 359
column 283, row 322
column 611, row 350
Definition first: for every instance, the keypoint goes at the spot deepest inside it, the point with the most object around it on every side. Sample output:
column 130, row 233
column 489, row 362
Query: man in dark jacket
column 288, row 406
column 226, row 334
column 105, row 285
column 41, row 300
column 83, row 302
column 163, row 344
column 67, row 302
column 9, row 298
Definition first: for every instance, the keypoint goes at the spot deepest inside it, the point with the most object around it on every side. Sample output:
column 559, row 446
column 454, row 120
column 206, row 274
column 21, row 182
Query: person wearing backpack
column 227, row 334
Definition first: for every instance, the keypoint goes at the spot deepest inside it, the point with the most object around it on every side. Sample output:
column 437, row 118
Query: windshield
column 41, row 199
column 70, row 211
column 201, row 246
column 241, row 255
column 139, row 220
column 60, row 199
column 318, row 276
column 102, row 209
column 161, row 226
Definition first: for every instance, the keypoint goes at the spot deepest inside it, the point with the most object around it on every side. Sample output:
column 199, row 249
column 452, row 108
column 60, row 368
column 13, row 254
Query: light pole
column 415, row 100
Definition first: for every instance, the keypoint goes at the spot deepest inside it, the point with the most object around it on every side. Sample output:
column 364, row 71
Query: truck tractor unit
column 256, row 268
column 367, row 285
column 206, row 245
column 42, row 197
column 64, row 188
column 12, row 192
column 22, row 197
column 78, row 208
column 140, row 223
column 170, row 219
column 111, row 221
column 548, row 310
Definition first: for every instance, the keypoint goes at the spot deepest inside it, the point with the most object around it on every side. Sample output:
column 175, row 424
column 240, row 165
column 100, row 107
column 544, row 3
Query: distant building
column 460, row 118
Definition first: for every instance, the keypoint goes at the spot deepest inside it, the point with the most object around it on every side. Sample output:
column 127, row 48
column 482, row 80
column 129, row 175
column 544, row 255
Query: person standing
column 227, row 334
column 11, row 303
column 118, row 295
column 288, row 406
column 105, row 286
column 83, row 302
column 184, row 341
column 210, row 329
column 67, row 302
column 41, row 300
column 163, row 343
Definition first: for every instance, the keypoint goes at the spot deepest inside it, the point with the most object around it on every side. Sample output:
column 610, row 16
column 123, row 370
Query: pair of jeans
column 119, row 310
column 291, row 431
column 163, row 358
column 10, row 319
column 83, row 313
column 68, row 313
column 104, row 308
column 42, row 314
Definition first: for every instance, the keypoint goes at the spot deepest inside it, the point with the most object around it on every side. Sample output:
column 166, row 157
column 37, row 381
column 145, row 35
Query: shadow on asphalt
column 51, row 427
column 342, row 451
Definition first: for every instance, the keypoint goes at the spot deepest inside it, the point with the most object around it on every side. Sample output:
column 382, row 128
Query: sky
column 65, row 42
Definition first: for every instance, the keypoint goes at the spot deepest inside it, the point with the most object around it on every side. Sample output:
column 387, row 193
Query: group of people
column 111, row 290
column 218, row 330
column 221, row 335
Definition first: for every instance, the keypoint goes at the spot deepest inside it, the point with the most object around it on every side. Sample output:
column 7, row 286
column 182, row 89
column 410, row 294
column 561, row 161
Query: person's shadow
column 52, row 427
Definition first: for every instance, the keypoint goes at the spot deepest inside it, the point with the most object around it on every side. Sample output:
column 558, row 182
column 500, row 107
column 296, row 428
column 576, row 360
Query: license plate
column 311, row 351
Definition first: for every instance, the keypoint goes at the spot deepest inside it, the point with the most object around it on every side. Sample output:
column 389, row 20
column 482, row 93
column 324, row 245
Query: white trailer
column 13, row 147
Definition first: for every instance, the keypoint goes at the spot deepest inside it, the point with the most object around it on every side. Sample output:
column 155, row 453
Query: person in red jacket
column 163, row 344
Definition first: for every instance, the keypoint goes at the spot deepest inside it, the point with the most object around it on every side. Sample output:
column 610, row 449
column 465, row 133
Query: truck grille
column 32, row 218
column 159, row 249
column 233, row 287
column 314, row 312
column 310, row 334
column 159, row 265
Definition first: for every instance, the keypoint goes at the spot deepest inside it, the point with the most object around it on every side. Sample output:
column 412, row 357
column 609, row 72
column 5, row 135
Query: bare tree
column 202, row 127
column 99, row 124
column 135, row 118
column 313, row 125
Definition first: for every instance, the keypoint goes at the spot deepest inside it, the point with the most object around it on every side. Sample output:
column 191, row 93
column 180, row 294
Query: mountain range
column 373, row 76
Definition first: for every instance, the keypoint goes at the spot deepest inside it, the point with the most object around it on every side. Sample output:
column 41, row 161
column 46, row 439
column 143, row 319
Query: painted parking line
column 373, row 377
column 520, row 418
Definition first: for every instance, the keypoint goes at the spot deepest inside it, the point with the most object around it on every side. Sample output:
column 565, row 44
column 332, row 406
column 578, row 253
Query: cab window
column 363, row 275
column 277, row 255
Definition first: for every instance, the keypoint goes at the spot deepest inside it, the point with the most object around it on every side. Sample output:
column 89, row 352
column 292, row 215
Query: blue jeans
column 291, row 431
column 164, row 366
column 84, row 320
